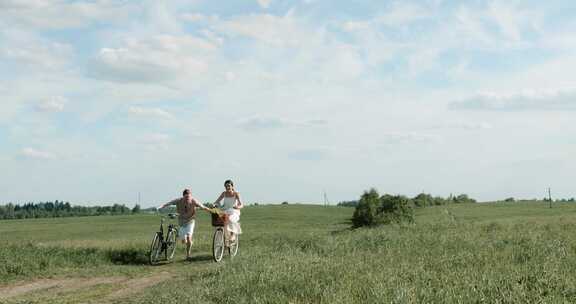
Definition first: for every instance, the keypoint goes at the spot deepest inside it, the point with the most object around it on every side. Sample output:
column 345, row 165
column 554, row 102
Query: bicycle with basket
column 220, row 240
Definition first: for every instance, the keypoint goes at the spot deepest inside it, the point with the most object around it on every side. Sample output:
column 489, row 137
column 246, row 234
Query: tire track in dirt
column 58, row 285
column 136, row 285
column 128, row 286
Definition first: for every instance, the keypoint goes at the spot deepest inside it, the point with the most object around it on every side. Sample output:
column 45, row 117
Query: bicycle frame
column 162, row 243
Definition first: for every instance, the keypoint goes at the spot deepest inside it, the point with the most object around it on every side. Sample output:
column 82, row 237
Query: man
column 186, row 208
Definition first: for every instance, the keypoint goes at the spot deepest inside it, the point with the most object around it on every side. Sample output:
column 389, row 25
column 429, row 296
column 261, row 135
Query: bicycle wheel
column 233, row 249
column 155, row 249
column 171, row 244
column 218, row 245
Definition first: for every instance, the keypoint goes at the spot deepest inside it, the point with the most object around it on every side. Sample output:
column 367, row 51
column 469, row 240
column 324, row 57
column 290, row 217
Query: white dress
column 233, row 214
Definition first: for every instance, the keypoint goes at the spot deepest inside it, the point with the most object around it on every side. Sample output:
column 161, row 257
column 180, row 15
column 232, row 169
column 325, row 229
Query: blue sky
column 102, row 100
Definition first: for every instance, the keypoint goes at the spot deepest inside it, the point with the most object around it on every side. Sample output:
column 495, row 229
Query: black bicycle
column 163, row 246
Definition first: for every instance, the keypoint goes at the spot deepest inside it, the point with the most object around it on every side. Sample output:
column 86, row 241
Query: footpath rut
column 128, row 286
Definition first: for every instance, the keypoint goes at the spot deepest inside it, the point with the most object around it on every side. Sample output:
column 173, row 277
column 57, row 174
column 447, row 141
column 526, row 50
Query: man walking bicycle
column 186, row 208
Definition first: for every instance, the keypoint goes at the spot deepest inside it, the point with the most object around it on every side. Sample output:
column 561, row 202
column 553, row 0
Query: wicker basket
column 219, row 219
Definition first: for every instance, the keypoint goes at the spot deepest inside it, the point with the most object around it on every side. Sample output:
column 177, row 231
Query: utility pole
column 326, row 202
column 550, row 197
column 138, row 198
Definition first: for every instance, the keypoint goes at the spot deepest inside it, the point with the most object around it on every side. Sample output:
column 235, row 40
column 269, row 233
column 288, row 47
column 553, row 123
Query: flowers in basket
column 219, row 218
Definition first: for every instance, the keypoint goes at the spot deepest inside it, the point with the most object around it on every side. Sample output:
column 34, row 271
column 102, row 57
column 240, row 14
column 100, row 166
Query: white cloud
column 31, row 153
column 149, row 112
column 392, row 139
column 160, row 58
column 513, row 20
column 40, row 14
column 264, row 123
column 309, row 154
column 259, row 123
column 403, row 13
column 34, row 52
column 548, row 99
column 23, row 4
column 273, row 30
column 155, row 141
column 264, row 3
column 53, row 104
column 397, row 15
column 195, row 17
column 466, row 125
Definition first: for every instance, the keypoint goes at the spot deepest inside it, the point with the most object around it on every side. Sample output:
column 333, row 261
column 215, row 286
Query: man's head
column 187, row 193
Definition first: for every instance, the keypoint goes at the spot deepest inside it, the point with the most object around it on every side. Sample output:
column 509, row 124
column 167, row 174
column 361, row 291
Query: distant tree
column 463, row 198
column 510, row 199
column 347, row 204
column 438, row 201
column 284, row 203
column 423, row 200
column 136, row 209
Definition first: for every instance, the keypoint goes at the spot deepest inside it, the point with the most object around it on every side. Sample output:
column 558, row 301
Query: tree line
column 60, row 209
column 423, row 200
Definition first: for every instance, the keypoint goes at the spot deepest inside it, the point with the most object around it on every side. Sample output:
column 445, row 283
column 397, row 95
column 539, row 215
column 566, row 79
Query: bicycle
column 163, row 245
column 220, row 241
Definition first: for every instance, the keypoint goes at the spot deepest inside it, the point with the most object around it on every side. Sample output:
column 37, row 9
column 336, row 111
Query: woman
column 231, row 204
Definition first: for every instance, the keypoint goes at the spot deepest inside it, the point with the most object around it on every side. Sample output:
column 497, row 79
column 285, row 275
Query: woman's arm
column 239, row 204
column 217, row 202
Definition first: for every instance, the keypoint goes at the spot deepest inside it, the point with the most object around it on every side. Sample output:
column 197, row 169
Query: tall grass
column 446, row 261
column 32, row 260
column 511, row 253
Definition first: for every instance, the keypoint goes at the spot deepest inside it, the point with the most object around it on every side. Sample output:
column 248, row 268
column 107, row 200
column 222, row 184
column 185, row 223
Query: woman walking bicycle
column 229, row 201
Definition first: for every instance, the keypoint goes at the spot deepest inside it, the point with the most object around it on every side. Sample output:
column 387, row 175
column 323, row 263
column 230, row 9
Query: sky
column 109, row 101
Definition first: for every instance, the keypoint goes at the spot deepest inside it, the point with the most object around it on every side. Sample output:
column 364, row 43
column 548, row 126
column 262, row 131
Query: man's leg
column 188, row 245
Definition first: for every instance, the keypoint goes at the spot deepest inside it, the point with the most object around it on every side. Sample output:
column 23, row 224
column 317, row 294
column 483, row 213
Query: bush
column 348, row 204
column 463, row 198
column 396, row 209
column 366, row 210
column 423, row 200
column 373, row 210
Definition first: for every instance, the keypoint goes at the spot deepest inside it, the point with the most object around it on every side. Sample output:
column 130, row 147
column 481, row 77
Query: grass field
column 474, row 253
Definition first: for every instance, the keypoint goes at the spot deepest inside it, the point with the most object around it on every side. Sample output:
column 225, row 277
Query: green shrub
column 366, row 211
column 373, row 210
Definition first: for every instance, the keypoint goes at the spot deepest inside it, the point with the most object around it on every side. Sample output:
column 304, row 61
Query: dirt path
column 136, row 285
column 127, row 286
column 17, row 290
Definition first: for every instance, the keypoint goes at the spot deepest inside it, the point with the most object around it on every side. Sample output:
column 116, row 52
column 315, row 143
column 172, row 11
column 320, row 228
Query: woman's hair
column 229, row 181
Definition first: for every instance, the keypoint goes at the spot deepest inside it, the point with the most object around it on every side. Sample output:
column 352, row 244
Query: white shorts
column 185, row 230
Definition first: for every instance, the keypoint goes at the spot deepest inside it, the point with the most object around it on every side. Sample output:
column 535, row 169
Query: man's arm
column 199, row 204
column 172, row 202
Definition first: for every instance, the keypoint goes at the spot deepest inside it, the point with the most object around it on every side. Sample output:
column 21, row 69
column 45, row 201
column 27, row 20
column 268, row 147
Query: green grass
column 475, row 253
